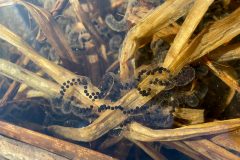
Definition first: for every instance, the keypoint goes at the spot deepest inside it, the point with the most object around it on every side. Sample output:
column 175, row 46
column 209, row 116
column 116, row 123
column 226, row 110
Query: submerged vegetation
column 159, row 75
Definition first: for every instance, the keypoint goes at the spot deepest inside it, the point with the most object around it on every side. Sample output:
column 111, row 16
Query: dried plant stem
column 110, row 142
column 230, row 140
column 58, row 73
column 34, row 94
column 149, row 150
column 217, row 34
column 142, row 32
column 54, row 145
column 223, row 73
column 210, row 38
column 226, row 53
column 190, row 23
column 227, row 101
column 10, row 94
column 194, row 116
column 58, row 7
column 2, row 82
column 99, row 127
column 167, row 34
column 182, row 147
column 19, row 74
column 50, row 28
column 116, row 3
column 196, row 49
column 210, row 150
column 113, row 66
column 138, row 132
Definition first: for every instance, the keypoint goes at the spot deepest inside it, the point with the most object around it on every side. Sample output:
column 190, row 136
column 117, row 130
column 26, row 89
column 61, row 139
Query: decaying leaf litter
column 149, row 72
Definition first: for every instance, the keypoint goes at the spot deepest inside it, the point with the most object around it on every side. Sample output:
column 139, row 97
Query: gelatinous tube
column 192, row 100
column 173, row 102
column 167, row 105
column 118, row 26
column 57, row 111
column 185, row 76
column 201, row 91
column 56, row 102
column 159, row 49
column 170, row 85
column 67, row 108
column 75, row 123
column 80, row 111
column 201, row 71
column 115, row 43
column 157, row 2
column 77, row 111
column 164, row 103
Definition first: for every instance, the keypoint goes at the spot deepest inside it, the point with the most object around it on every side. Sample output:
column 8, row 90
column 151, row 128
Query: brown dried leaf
column 51, row 30
column 49, row 26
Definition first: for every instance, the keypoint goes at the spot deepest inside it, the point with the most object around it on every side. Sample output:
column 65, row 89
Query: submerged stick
column 12, row 149
column 51, row 144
